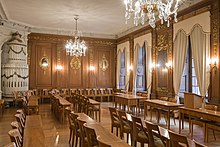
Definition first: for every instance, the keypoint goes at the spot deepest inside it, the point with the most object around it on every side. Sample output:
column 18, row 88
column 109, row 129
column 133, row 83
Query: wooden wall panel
column 44, row 77
column 71, row 76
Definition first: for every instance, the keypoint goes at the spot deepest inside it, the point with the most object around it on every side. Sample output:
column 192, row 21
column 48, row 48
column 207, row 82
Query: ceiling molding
column 14, row 25
column 2, row 12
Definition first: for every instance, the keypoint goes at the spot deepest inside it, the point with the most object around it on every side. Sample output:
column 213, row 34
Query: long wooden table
column 33, row 132
column 169, row 106
column 104, row 134
column 198, row 113
column 129, row 100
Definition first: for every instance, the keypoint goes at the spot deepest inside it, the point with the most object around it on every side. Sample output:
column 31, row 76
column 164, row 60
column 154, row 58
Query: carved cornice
column 60, row 38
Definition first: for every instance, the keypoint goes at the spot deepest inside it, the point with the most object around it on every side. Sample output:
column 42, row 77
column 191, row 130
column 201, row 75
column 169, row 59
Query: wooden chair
column 101, row 143
column 91, row 137
column 139, row 134
column 16, row 137
column 178, row 140
column 11, row 144
column 20, row 120
column 154, row 140
column 197, row 144
column 114, row 120
column 126, row 126
column 16, row 125
column 72, row 128
column 2, row 105
column 204, row 123
column 45, row 95
column 17, row 97
column 76, row 132
column 83, row 139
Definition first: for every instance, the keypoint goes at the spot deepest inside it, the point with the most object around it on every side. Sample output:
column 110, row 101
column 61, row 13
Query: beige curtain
column 135, row 64
column 148, row 68
column 179, row 56
column 200, row 44
column 118, row 68
column 127, row 64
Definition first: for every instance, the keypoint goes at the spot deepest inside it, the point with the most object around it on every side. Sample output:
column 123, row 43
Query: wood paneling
column 52, row 46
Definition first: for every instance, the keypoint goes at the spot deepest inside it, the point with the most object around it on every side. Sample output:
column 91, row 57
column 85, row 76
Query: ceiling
column 103, row 17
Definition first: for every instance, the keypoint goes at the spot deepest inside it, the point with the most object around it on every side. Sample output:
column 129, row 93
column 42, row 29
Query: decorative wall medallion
column 44, row 63
column 75, row 63
column 103, row 63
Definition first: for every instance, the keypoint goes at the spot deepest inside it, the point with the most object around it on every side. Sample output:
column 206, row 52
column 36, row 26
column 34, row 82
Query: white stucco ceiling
column 95, row 16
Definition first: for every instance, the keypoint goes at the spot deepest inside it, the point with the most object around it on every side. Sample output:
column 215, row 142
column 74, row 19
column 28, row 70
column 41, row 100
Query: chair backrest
column 91, row 136
column 101, row 143
column 211, row 107
column 82, row 130
column 197, row 144
column 137, row 126
column 176, row 139
column 11, row 144
column 113, row 114
column 123, row 119
column 16, row 125
column 150, row 128
column 20, row 119
column 163, row 98
column 172, row 99
column 16, row 137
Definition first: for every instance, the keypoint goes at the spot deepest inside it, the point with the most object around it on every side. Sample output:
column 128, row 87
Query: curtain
column 148, row 68
column 179, row 56
column 127, row 64
column 200, row 44
column 135, row 64
column 118, row 68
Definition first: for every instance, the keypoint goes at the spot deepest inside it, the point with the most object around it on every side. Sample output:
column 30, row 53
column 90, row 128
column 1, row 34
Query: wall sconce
column 214, row 62
column 91, row 68
column 130, row 68
column 153, row 66
column 169, row 65
column 59, row 67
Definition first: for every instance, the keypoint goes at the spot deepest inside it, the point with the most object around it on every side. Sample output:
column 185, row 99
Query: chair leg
column 112, row 129
column 127, row 137
column 70, row 136
column 213, row 131
column 116, row 131
column 142, row 144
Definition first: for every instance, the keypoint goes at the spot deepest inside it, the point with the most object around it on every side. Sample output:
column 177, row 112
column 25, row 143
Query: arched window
column 141, row 69
column 122, row 83
column 189, row 81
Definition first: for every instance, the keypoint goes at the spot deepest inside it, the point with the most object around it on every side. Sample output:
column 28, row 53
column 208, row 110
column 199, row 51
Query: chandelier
column 144, row 10
column 78, row 47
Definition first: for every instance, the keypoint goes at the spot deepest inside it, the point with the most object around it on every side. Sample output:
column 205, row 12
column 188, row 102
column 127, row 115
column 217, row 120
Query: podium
column 192, row 100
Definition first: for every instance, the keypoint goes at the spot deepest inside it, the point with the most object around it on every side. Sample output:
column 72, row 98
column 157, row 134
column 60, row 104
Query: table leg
column 179, row 122
column 150, row 113
column 138, row 107
column 182, row 120
column 63, row 115
column 145, row 111
column 168, row 119
column 190, row 127
column 99, row 113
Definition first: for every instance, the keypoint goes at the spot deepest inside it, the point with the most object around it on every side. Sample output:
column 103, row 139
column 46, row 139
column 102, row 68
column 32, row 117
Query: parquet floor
column 57, row 134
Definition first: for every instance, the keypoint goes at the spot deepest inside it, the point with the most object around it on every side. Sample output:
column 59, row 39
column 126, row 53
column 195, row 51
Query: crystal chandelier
column 144, row 10
column 78, row 47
